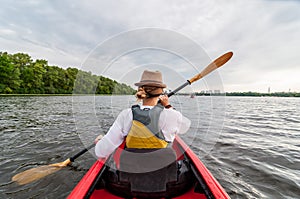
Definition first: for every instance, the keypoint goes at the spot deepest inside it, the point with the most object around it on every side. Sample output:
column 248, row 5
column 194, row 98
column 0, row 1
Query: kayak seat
column 147, row 170
column 149, row 173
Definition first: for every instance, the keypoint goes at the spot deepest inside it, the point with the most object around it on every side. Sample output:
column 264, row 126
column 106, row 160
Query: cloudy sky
column 181, row 37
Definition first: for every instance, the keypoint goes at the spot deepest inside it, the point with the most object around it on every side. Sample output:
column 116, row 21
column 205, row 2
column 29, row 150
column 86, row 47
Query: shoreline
column 295, row 95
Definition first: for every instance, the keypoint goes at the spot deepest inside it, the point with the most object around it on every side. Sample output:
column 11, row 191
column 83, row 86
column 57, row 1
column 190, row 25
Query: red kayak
column 126, row 175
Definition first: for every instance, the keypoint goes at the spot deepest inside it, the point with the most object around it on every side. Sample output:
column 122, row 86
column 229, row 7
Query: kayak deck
column 193, row 180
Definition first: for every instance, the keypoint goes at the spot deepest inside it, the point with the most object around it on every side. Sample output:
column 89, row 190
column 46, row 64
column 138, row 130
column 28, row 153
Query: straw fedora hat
column 151, row 78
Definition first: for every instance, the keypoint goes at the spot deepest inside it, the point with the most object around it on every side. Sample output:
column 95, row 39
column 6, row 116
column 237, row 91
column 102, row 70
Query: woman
column 150, row 125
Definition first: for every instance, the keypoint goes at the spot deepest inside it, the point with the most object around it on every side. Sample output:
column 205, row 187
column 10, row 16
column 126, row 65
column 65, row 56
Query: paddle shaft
column 179, row 88
column 211, row 67
column 81, row 152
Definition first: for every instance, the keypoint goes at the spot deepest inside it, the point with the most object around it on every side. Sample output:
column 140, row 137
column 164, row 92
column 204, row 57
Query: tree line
column 20, row 74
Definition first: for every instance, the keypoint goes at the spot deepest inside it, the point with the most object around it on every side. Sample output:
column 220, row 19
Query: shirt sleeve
column 172, row 122
column 115, row 135
column 184, row 124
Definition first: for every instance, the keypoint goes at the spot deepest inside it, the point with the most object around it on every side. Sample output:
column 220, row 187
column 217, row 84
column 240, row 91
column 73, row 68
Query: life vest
column 144, row 132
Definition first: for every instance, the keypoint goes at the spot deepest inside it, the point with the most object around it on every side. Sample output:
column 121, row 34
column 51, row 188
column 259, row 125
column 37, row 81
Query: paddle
column 34, row 174
column 220, row 61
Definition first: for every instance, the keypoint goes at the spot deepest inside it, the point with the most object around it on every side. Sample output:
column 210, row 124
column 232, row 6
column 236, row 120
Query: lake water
column 251, row 145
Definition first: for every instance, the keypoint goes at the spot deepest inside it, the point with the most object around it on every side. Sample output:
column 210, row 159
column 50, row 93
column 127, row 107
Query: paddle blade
column 220, row 61
column 34, row 174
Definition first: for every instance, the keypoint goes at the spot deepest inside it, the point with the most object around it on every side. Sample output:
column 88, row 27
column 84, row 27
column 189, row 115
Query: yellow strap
column 141, row 137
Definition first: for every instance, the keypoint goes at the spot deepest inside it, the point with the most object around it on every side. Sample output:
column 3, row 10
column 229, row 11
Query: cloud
column 263, row 34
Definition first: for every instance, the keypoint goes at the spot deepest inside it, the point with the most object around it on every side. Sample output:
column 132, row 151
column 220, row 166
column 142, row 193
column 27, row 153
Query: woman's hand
column 164, row 100
column 98, row 138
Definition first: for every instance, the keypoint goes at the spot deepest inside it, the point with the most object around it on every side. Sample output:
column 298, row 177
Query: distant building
column 217, row 91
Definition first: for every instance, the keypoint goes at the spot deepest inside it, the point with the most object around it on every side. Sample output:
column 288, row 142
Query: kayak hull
column 195, row 180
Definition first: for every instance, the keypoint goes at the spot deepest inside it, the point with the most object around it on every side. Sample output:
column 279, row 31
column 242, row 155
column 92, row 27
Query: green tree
column 71, row 74
column 85, row 83
column 50, row 79
column 38, row 68
column 9, row 75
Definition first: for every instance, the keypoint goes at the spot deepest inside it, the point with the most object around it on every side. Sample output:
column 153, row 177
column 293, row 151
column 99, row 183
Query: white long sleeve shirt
column 171, row 122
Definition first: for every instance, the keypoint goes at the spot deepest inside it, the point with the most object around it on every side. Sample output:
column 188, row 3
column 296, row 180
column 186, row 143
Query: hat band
column 150, row 81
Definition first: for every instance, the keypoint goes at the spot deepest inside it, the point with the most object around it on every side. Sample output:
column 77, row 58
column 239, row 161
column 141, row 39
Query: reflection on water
column 253, row 154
